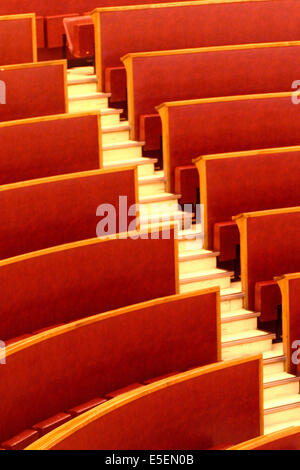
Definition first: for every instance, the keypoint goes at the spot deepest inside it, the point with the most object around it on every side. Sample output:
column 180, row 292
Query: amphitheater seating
column 86, row 357
column 247, row 122
column 287, row 439
column 269, row 248
column 73, row 281
column 157, row 77
column 80, row 36
column 35, row 89
column 18, row 33
column 42, row 213
column 193, row 25
column 289, row 286
column 258, row 181
column 48, row 146
column 180, row 412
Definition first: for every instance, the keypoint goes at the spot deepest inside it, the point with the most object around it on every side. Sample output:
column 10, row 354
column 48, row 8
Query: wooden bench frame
column 252, row 444
column 55, row 437
column 34, row 33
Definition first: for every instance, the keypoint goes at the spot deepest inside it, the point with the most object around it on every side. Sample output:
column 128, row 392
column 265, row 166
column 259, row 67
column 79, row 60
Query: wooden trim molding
column 201, row 167
column 242, row 226
column 130, row 95
column 283, row 283
column 262, row 440
column 164, row 116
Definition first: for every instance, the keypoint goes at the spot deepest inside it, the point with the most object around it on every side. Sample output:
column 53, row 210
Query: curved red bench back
column 18, row 33
column 105, row 353
column 181, row 412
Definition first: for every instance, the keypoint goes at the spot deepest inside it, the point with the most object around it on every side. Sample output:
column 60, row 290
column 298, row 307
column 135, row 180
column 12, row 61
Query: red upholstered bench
column 21, row 440
column 80, row 36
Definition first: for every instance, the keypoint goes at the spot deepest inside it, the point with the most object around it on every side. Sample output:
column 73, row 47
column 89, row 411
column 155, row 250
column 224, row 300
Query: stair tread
column 268, row 378
column 238, row 313
column 282, row 401
column 196, row 229
column 198, row 252
column 117, row 128
column 151, row 179
column 131, row 162
column 208, row 272
column 279, row 427
column 159, row 196
column 87, row 96
column 243, row 335
column 120, row 145
column 276, row 351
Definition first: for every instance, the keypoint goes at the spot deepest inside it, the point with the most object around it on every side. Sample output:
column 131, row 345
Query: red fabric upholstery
column 60, row 211
column 78, row 410
column 21, row 440
column 77, row 282
column 51, row 423
column 257, row 123
column 184, row 415
column 172, row 77
column 150, row 131
column 93, row 358
column 226, row 239
column 40, row 32
column 44, row 84
column 48, row 147
column 80, row 35
column 186, row 183
column 181, row 27
column 257, row 181
column 16, row 34
column 294, row 324
column 115, row 83
column 120, row 391
column 267, row 298
column 272, row 248
column 55, row 29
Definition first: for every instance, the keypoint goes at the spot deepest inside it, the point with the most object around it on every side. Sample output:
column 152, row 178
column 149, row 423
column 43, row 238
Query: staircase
column 197, row 267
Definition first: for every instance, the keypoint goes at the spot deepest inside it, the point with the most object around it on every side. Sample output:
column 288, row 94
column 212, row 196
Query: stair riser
column 238, row 326
column 281, row 391
column 152, row 188
column 82, row 89
column 122, row 154
column 223, row 283
column 145, row 170
column 201, row 264
column 86, row 106
column 231, row 305
column 177, row 218
column 255, row 347
column 188, row 246
column 115, row 137
column 273, row 368
column 281, row 419
column 110, row 119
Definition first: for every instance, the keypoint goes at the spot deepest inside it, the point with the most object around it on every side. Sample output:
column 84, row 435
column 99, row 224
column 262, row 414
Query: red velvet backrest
column 49, row 146
column 213, row 405
column 9, row 7
column 61, row 210
column 154, row 79
column 290, row 295
column 17, row 39
column 258, row 181
column 81, row 279
column 230, row 124
column 95, row 357
column 269, row 247
column 34, row 90
column 191, row 25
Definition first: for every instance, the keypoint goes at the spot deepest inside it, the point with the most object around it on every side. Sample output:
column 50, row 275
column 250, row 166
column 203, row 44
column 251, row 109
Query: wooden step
column 197, row 260
column 122, row 150
column 152, row 184
column 145, row 166
column 278, row 386
column 160, row 202
column 179, row 217
column 113, row 134
column 81, row 75
column 274, row 360
column 81, row 89
column 78, row 105
column 245, row 343
column 282, row 404
column 190, row 240
column 238, row 320
column 204, row 279
column 232, row 298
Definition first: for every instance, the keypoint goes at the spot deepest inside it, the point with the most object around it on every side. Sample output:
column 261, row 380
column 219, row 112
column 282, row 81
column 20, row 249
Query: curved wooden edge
column 130, row 97
column 173, row 4
column 201, row 167
column 61, row 433
column 98, row 50
column 65, row 177
column 284, row 285
column 242, row 226
column 247, row 153
column 91, row 241
column 52, row 117
column 222, row 99
column 197, row 50
column 164, row 116
column 31, row 16
column 30, row 65
column 102, row 317
column 261, row 440
column 249, row 215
